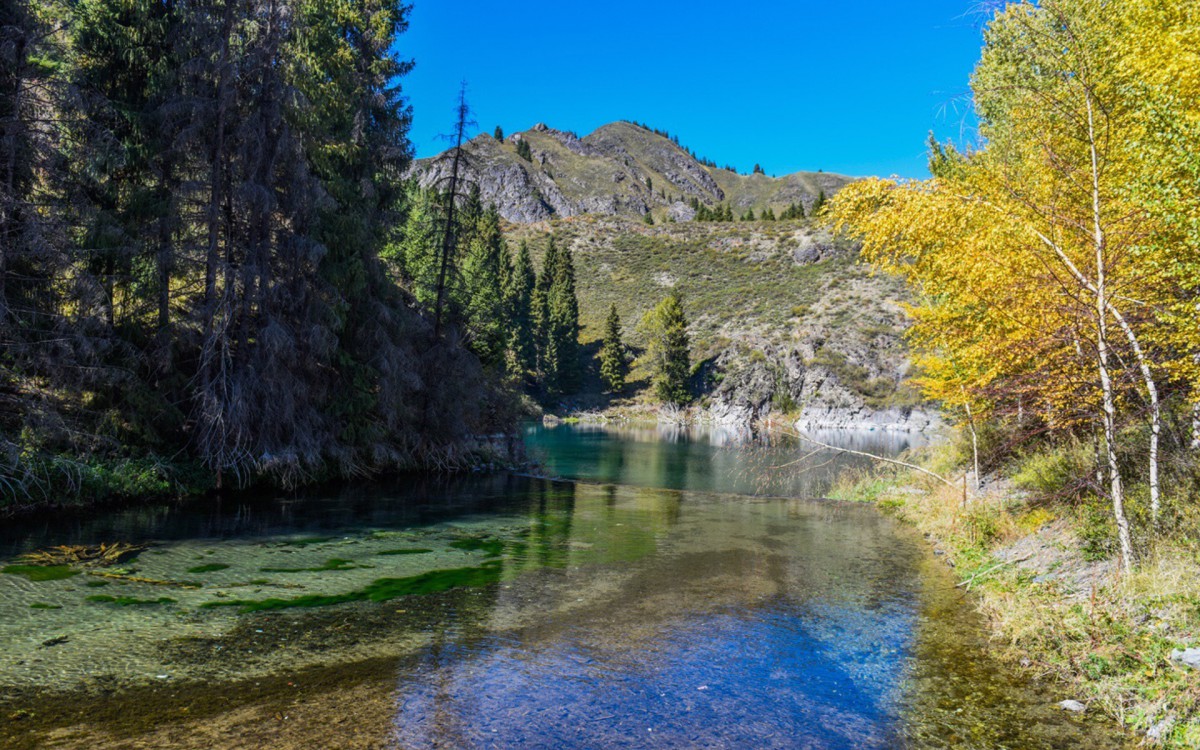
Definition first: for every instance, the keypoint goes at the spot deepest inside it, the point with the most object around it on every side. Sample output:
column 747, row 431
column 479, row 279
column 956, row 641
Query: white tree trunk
column 1102, row 310
column 1196, row 427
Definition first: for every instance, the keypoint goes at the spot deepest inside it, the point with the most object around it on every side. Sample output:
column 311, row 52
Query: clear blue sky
column 849, row 87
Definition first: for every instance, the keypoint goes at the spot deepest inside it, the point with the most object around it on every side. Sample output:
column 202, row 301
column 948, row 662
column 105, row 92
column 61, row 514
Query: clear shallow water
column 512, row 612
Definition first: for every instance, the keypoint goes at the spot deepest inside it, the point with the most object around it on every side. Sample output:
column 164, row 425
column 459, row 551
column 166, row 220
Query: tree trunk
column 1106, row 387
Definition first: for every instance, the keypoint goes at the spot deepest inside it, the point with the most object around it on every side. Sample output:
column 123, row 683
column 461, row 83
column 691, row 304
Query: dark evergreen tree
column 563, row 316
column 486, row 265
column 614, row 361
column 498, row 134
column 523, row 150
column 818, row 204
column 520, row 294
column 541, row 312
column 665, row 328
column 211, row 189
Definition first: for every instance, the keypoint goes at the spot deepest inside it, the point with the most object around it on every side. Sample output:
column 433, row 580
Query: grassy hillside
column 753, row 291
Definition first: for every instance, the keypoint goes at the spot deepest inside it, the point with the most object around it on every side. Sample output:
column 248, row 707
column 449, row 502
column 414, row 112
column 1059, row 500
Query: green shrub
column 1097, row 531
column 1054, row 470
column 983, row 524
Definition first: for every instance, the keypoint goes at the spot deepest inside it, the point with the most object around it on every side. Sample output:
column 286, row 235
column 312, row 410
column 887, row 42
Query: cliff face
column 621, row 169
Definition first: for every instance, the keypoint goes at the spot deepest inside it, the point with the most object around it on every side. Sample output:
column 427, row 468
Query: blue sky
column 849, row 87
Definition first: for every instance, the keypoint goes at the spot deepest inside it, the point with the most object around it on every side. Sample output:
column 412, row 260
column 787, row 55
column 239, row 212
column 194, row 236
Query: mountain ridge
column 619, row 169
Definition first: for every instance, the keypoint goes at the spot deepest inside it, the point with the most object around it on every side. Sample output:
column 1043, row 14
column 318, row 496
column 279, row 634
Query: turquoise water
column 707, row 458
column 660, row 605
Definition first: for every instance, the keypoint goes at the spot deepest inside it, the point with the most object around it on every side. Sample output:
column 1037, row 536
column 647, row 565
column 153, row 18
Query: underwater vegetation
column 380, row 590
column 38, row 573
column 127, row 601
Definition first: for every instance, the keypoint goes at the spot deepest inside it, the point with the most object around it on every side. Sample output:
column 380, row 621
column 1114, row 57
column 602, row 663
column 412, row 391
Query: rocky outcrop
column 813, row 246
column 816, row 390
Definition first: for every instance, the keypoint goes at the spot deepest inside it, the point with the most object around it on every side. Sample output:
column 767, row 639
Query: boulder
column 1189, row 657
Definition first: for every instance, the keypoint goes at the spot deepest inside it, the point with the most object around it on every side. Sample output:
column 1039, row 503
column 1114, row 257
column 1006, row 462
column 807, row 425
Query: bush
column 1097, row 531
column 1059, row 471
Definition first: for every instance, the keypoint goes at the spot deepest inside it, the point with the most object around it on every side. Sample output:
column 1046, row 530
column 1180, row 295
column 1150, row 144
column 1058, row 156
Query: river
column 666, row 588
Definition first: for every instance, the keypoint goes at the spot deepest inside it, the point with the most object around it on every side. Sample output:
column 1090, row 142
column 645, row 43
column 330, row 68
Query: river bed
column 667, row 589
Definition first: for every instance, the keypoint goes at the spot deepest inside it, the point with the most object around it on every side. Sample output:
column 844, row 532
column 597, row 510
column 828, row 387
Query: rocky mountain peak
column 620, row 169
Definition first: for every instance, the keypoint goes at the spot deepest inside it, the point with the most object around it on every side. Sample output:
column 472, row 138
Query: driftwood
column 80, row 554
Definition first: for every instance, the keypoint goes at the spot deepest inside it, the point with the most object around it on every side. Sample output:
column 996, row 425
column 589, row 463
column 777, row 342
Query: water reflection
column 707, row 458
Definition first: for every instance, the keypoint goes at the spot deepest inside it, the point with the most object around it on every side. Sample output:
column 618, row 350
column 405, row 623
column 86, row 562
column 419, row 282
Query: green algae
column 492, row 546
column 380, row 590
column 210, row 568
column 409, row 551
column 39, row 573
column 128, row 601
column 43, row 605
column 335, row 563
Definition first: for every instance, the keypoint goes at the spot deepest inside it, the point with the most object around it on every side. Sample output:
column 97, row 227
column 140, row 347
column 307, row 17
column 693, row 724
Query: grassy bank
column 49, row 482
column 44, row 482
column 1045, row 578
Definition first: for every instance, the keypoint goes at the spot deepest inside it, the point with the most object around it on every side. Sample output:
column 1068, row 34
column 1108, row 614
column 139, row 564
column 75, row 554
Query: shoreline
column 1108, row 641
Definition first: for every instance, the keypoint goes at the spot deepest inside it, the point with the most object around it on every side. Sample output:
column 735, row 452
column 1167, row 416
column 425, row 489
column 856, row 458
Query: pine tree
column 665, row 328
column 817, row 204
column 758, row 169
column 520, row 292
column 768, row 214
column 614, row 363
column 543, row 338
column 647, row 218
column 485, row 267
column 563, row 308
column 523, row 150
column 498, row 133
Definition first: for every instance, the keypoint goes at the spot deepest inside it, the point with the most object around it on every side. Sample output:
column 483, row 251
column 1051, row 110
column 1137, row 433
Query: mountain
column 621, row 169
column 783, row 318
